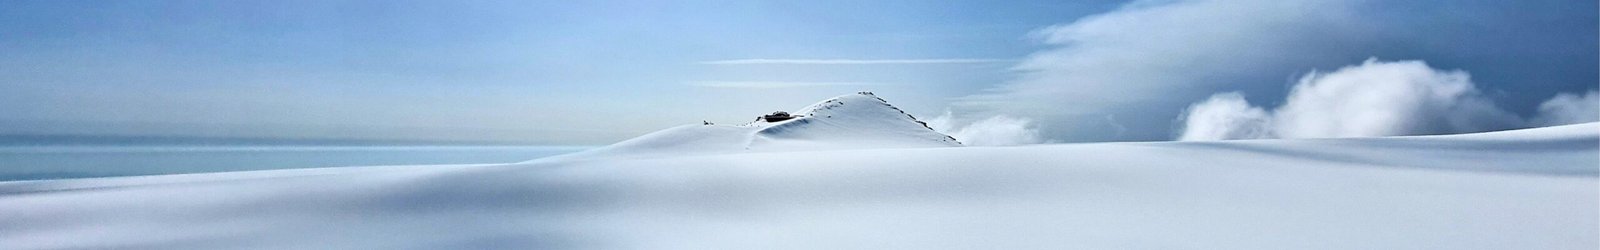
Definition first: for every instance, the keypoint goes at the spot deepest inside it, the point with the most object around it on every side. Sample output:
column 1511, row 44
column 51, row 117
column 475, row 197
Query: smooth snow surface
column 1527, row 189
column 855, row 121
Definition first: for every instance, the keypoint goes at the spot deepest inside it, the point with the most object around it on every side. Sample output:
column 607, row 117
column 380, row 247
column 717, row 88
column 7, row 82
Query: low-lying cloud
column 1132, row 63
column 1144, row 62
column 1226, row 116
column 1567, row 108
column 999, row 130
column 1373, row 98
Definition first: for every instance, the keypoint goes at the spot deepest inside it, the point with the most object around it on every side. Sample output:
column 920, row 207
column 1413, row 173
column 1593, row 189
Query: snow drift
column 1525, row 189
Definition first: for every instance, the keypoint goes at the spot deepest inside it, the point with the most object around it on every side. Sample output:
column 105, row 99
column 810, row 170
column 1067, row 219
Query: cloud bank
column 1373, row 98
column 1132, row 63
column 997, row 130
column 1145, row 62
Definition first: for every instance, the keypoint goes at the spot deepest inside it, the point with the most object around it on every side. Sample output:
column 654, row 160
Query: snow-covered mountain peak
column 828, row 106
column 853, row 121
column 855, row 117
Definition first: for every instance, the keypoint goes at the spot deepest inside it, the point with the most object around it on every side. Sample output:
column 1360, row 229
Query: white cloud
column 772, row 84
column 1225, row 116
column 1385, row 99
column 1566, row 108
column 999, row 130
column 1143, row 56
column 1147, row 60
column 1373, row 99
column 856, row 61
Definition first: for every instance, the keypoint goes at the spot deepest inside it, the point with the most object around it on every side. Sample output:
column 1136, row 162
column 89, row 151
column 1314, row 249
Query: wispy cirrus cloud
column 766, row 61
column 772, row 84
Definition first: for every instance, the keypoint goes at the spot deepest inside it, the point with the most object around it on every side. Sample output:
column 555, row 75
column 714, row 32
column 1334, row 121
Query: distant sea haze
column 60, row 157
column 54, row 139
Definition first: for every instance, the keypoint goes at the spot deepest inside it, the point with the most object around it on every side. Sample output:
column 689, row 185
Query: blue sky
column 593, row 72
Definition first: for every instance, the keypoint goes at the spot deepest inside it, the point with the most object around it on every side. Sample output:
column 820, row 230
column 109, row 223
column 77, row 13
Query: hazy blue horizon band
column 90, row 161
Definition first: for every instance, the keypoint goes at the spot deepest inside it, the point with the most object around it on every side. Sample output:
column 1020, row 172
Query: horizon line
column 773, row 84
column 759, row 61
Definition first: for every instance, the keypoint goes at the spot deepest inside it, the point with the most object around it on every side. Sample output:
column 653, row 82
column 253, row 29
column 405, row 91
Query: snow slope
column 1527, row 189
column 853, row 121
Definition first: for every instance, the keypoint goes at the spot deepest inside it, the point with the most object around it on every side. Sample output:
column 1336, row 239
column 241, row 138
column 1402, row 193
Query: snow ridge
column 1524, row 189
